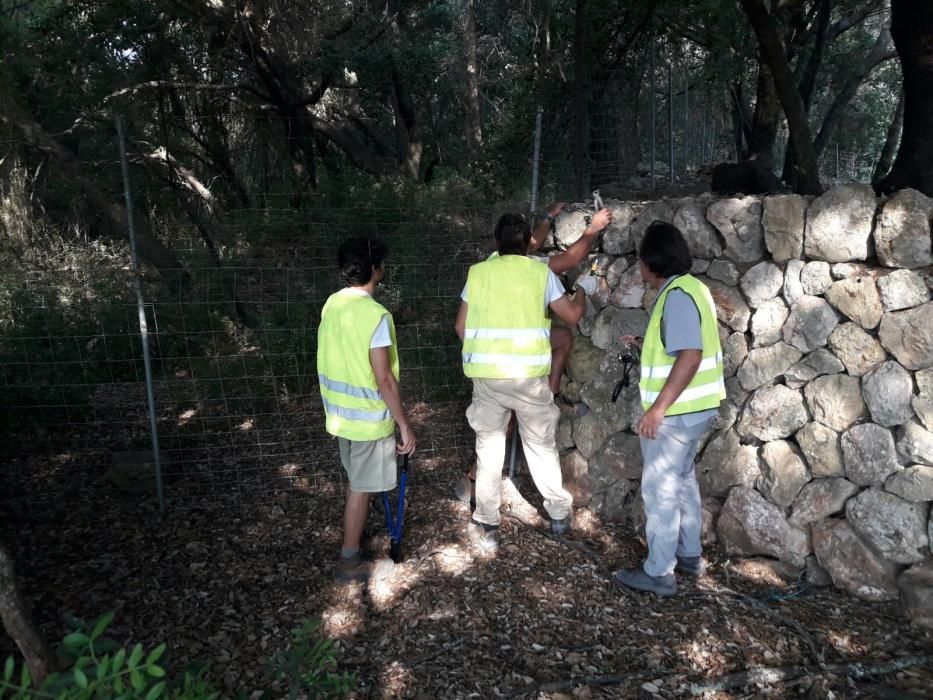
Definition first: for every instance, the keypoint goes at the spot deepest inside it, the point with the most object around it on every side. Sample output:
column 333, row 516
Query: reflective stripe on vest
column 353, row 405
column 707, row 387
column 507, row 333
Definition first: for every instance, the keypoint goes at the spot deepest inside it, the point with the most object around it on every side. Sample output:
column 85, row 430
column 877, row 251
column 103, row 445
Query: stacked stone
column 822, row 457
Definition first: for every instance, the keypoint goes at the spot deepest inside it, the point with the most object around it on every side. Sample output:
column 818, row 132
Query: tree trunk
column 113, row 214
column 807, row 82
column 773, row 55
column 912, row 30
column 890, row 143
column 741, row 121
column 18, row 623
column 474, row 115
column 880, row 52
column 578, row 149
column 766, row 119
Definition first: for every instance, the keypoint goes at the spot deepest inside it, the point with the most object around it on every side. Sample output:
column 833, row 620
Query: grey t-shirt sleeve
column 680, row 323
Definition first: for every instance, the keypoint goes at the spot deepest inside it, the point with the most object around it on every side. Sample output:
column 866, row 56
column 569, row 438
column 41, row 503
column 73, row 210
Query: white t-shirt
column 382, row 337
column 552, row 292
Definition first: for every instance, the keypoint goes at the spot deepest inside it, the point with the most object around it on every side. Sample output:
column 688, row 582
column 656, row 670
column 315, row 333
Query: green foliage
column 309, row 666
column 98, row 667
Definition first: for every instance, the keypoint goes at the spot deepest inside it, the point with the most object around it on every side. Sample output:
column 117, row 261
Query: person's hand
column 600, row 220
column 632, row 340
column 556, row 209
column 650, row 422
column 407, row 444
column 588, row 284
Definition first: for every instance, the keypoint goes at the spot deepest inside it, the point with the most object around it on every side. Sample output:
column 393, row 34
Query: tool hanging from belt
column 394, row 524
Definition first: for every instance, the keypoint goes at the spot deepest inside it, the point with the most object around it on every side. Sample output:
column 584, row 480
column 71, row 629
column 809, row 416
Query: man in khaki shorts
column 505, row 330
column 358, row 369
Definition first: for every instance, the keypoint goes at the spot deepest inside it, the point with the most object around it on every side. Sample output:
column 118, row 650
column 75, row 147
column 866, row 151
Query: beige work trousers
column 488, row 415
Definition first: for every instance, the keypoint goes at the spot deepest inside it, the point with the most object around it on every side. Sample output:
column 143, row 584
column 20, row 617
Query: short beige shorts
column 370, row 464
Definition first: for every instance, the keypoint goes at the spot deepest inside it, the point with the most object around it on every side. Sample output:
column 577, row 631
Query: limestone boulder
column 659, row 210
column 888, row 390
column 726, row 463
column 835, row 400
column 739, row 222
column 868, row 454
column 821, row 498
column 840, row 271
column 574, row 469
column 611, row 501
column 702, row 238
column 699, row 266
column 731, row 308
column 583, row 362
column 908, row 335
column 618, row 267
column 820, row 447
column 564, row 437
column 857, row 350
column 857, row 297
column 902, row 234
column 772, row 413
column 619, row 457
column 893, row 527
column 815, row 278
column 915, row 443
column 839, row 224
column 813, row 365
column 734, row 352
column 923, row 402
column 916, row 594
column 783, row 221
column 762, row 282
column 712, row 507
column 854, row 567
column 764, row 365
column 587, row 323
column 597, row 395
column 749, row 526
column 809, row 324
column 589, row 434
column 783, row 473
column 768, row 321
column 629, row 292
column 793, row 288
column 914, row 484
column 723, row 270
column 612, row 323
column 617, row 238
column 902, row 289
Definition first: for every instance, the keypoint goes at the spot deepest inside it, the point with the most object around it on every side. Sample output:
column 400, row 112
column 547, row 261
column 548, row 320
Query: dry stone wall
column 822, row 455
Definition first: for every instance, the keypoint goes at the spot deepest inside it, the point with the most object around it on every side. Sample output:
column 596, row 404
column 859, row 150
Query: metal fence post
column 143, row 325
column 670, row 122
column 654, row 112
column 536, row 162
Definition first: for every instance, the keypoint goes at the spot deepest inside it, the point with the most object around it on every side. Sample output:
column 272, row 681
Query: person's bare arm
column 578, row 250
column 540, row 231
column 682, row 373
column 570, row 309
column 392, row 395
column 460, row 323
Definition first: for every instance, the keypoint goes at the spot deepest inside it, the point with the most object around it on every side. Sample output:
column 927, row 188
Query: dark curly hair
column 512, row 234
column 664, row 250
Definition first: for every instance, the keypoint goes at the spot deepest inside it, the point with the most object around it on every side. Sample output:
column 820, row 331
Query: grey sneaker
column 352, row 569
column 562, row 526
column 483, row 537
column 691, row 566
column 663, row 586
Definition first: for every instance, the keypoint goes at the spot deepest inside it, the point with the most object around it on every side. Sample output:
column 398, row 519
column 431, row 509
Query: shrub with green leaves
column 99, row 667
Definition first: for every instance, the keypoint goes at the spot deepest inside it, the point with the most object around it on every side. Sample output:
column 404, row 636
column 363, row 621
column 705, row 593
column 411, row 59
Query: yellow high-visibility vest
column 353, row 403
column 707, row 387
column 508, row 333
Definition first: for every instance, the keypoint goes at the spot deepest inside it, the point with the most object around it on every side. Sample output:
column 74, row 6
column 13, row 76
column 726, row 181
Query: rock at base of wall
column 851, row 563
column 726, row 463
column 916, row 589
column 749, row 526
column 893, row 527
column 783, row 473
column 821, row 498
column 772, row 413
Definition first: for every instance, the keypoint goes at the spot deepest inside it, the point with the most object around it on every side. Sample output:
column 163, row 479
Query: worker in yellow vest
column 561, row 337
column 505, row 330
column 681, row 386
column 358, row 369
